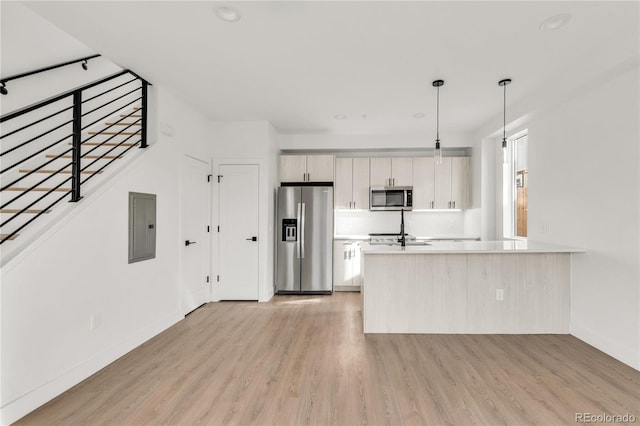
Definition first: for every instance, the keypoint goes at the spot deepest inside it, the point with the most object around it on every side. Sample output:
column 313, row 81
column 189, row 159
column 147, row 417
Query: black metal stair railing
column 78, row 118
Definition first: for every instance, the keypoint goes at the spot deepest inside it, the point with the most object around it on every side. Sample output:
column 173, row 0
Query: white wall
column 80, row 269
column 584, row 192
column 29, row 42
column 250, row 143
column 333, row 142
column 583, row 156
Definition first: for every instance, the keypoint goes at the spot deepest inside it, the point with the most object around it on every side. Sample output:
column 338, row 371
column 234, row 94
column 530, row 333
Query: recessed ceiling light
column 227, row 13
column 418, row 115
column 555, row 22
column 339, row 117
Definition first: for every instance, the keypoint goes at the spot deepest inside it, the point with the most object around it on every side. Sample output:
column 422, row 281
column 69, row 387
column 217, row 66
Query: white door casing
column 195, row 214
column 238, row 215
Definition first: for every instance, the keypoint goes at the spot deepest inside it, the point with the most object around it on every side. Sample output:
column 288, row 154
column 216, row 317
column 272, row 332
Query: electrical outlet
column 499, row 294
column 94, row 321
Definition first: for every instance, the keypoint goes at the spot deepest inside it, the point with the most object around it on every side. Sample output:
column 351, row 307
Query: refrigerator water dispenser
column 289, row 227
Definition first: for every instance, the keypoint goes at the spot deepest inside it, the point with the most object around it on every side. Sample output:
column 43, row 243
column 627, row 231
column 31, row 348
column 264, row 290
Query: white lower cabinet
column 346, row 265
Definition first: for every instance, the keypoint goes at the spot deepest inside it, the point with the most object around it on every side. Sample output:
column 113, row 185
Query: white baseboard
column 623, row 353
column 28, row 402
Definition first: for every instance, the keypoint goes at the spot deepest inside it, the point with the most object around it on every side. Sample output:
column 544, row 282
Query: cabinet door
column 344, row 182
column 320, row 168
column 402, row 171
column 423, row 183
column 443, row 184
column 356, row 265
column 380, row 173
column 341, row 264
column 460, row 182
column 360, row 183
column 293, row 168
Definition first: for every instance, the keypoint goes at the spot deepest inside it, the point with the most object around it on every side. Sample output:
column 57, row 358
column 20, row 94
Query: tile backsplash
column 418, row 223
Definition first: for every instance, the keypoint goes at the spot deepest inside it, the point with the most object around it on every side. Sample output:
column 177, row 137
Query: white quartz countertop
column 469, row 247
column 419, row 237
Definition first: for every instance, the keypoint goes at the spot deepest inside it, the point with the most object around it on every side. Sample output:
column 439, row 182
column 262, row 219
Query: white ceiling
column 298, row 64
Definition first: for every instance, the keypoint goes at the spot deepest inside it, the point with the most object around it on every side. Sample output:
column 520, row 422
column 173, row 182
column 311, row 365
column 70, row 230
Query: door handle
column 187, row 243
column 299, row 228
column 303, row 217
column 252, row 239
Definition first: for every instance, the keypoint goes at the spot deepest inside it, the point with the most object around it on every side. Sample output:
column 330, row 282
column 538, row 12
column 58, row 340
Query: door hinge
column 218, row 228
column 208, row 228
column 218, row 278
column 207, row 278
column 220, row 177
column 209, row 178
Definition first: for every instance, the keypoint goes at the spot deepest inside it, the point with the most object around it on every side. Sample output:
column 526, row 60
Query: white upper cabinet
column 442, row 190
column 461, row 182
column 320, row 168
column 343, row 189
column 306, row 168
column 360, row 183
column 452, row 181
column 396, row 171
column 402, row 171
column 293, row 168
column 423, row 183
column 352, row 183
column 380, row 174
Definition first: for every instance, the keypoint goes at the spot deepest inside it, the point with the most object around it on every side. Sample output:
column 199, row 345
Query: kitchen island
column 466, row 287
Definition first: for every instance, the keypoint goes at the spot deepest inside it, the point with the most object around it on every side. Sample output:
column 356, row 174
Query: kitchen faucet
column 402, row 239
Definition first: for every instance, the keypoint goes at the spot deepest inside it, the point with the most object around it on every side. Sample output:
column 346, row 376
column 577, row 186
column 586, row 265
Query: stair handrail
column 3, row 81
column 55, row 98
column 75, row 152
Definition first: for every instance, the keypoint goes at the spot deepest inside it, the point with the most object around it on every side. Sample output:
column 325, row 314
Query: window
column 515, row 187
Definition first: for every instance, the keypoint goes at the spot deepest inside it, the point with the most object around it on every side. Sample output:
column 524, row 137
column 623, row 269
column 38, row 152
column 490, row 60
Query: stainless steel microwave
column 391, row 198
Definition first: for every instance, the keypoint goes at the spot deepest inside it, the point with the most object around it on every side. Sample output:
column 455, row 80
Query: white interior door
column 238, row 239
column 195, row 218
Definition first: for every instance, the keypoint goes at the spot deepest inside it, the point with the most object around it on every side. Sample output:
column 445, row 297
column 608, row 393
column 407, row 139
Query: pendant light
column 437, row 153
column 505, row 153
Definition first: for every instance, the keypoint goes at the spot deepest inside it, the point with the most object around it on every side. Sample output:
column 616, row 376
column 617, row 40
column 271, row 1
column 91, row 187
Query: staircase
column 51, row 151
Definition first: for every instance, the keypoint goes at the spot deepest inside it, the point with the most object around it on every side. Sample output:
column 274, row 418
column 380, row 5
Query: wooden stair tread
column 124, row 124
column 131, row 116
column 13, row 237
column 114, row 133
column 30, row 211
column 16, row 188
column 106, row 157
column 108, row 144
column 62, row 171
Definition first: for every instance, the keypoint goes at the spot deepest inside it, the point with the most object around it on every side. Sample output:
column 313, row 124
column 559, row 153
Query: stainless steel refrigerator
column 305, row 239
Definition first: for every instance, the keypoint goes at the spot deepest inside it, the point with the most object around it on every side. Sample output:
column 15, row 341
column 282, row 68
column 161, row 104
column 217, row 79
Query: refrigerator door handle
column 299, row 217
column 304, row 214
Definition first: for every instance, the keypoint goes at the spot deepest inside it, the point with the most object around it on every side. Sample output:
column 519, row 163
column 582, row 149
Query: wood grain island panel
column 423, row 292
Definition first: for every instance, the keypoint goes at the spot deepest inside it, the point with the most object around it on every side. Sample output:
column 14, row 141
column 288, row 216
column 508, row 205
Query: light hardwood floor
column 304, row 360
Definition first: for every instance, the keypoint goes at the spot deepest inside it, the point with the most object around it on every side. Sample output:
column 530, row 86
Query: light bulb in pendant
column 437, row 153
column 505, row 152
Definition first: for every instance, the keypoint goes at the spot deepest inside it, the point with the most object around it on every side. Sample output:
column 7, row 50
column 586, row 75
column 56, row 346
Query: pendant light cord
column 438, row 114
column 504, row 115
